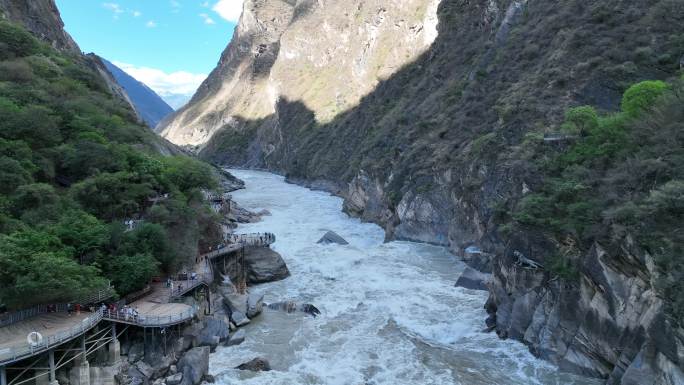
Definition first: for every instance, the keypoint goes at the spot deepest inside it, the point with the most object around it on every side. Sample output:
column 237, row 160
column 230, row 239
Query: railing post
column 3, row 376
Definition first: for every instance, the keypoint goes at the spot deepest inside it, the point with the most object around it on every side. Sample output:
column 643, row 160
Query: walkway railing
column 18, row 316
column 255, row 239
column 98, row 297
column 150, row 321
column 238, row 241
column 222, row 251
column 181, row 287
column 23, row 350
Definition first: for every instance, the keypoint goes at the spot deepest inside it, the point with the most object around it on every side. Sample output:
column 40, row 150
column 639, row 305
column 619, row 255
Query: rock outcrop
column 473, row 279
column 42, row 18
column 609, row 325
column 255, row 304
column 194, row 365
column 332, row 237
column 256, row 365
column 264, row 265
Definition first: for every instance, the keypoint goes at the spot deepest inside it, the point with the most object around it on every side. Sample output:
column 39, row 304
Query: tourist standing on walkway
column 69, row 309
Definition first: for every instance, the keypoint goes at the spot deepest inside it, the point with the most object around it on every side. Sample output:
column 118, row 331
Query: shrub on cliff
column 16, row 41
column 624, row 176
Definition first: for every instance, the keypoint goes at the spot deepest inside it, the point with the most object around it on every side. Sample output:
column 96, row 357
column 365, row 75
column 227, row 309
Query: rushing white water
column 390, row 311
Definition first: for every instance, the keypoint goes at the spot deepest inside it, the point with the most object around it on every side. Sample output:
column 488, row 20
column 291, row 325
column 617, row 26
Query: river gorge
column 390, row 311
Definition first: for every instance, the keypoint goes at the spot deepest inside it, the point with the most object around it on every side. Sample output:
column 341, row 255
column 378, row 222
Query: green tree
column 642, row 96
column 667, row 200
column 582, row 119
column 150, row 239
column 36, row 268
column 84, row 233
column 129, row 273
column 33, row 196
column 188, row 173
column 12, row 175
column 112, row 196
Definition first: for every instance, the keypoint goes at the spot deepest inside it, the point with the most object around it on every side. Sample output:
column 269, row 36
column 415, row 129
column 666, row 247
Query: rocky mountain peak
column 325, row 54
column 42, row 18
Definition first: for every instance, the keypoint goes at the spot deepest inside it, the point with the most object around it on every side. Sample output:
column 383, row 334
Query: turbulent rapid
column 390, row 311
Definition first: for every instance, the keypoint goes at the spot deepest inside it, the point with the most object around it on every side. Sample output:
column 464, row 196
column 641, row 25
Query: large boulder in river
column 239, row 318
column 256, row 365
column 473, row 279
column 255, row 304
column 264, row 265
column 236, row 338
column 332, row 237
column 194, row 365
column 235, row 301
column 215, row 330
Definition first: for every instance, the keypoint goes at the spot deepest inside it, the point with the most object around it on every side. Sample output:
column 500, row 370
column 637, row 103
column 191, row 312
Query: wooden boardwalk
column 55, row 328
column 155, row 309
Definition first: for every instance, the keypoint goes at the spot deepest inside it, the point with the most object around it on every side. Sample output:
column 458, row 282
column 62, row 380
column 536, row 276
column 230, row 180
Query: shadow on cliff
column 452, row 122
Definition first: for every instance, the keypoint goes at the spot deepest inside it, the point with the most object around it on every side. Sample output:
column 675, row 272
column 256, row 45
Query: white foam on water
column 390, row 311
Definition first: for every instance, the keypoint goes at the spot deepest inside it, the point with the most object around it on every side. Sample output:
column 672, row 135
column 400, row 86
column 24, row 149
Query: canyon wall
column 421, row 115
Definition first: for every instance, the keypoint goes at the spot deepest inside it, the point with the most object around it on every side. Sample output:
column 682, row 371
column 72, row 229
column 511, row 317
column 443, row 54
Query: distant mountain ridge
column 150, row 107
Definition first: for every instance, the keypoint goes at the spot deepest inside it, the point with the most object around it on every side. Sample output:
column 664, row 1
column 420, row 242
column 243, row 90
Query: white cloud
column 151, row 24
column 229, row 9
column 115, row 8
column 205, row 4
column 136, row 13
column 175, row 88
column 207, row 19
column 176, row 6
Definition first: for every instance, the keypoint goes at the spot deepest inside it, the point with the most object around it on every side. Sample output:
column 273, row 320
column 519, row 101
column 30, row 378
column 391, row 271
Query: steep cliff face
column 435, row 149
column 42, row 18
column 328, row 55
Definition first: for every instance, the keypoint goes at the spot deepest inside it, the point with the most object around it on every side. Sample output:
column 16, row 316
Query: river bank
column 390, row 311
column 179, row 355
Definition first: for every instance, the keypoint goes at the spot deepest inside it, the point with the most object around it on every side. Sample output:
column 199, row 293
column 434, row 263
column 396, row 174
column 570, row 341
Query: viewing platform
column 154, row 315
column 55, row 329
column 155, row 308
column 238, row 241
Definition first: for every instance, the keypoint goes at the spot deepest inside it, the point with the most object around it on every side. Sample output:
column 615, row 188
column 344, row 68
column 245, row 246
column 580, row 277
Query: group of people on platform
column 128, row 313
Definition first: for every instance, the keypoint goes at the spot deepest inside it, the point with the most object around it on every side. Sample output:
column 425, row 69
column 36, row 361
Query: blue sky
column 170, row 45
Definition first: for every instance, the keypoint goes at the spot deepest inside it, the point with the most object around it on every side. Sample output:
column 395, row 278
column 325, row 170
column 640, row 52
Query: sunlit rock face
column 326, row 54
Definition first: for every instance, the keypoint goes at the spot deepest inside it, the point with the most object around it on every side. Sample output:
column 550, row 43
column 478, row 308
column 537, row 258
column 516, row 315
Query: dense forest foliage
column 74, row 166
column 618, row 181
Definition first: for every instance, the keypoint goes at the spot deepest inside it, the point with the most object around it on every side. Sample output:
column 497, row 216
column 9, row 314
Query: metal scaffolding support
column 51, row 363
